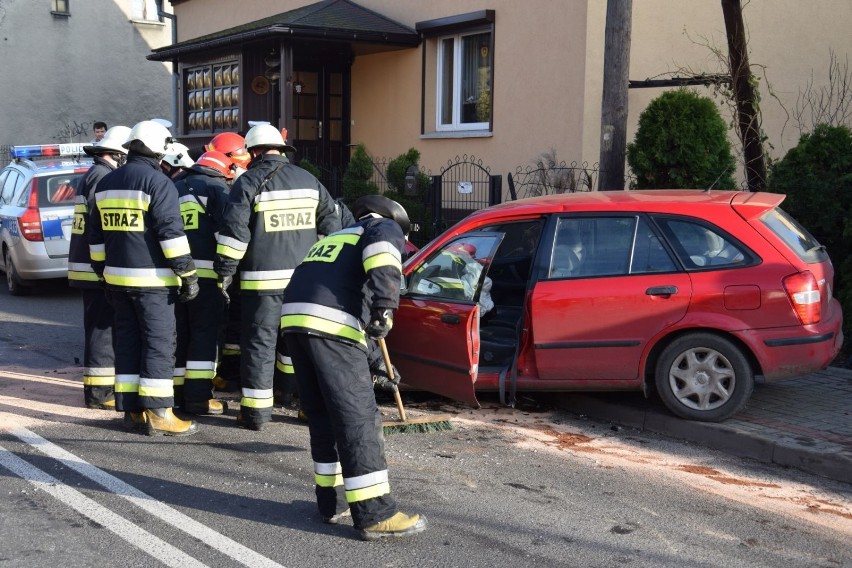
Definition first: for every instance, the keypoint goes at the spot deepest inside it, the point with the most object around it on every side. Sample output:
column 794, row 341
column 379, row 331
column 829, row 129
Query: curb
column 812, row 456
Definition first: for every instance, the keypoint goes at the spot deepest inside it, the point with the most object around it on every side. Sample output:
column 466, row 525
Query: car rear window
column 794, row 236
column 57, row 190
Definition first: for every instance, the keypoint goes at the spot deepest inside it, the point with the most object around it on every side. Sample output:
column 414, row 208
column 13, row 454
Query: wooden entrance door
column 320, row 126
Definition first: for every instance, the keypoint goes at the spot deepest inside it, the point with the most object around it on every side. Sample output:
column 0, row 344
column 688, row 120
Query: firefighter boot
column 397, row 526
column 106, row 405
column 162, row 421
column 134, row 420
column 211, row 406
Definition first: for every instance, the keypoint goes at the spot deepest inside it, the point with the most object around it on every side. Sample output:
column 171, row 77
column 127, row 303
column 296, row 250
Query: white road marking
column 213, row 539
column 141, row 539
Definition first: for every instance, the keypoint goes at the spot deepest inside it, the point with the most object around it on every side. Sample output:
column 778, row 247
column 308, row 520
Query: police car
column 37, row 212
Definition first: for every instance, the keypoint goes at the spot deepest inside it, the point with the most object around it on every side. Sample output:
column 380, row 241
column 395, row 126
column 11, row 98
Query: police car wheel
column 13, row 281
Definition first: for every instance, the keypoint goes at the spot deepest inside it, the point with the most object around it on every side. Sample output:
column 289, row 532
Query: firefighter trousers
column 98, row 350
column 144, row 348
column 347, row 443
column 197, row 324
column 261, row 317
column 229, row 340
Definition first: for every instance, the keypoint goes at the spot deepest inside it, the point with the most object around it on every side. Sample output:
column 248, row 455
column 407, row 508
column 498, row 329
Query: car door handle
column 450, row 318
column 661, row 290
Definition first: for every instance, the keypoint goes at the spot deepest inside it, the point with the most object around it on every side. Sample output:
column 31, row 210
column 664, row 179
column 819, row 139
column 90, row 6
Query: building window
column 145, row 10
column 60, row 7
column 212, row 102
column 464, row 82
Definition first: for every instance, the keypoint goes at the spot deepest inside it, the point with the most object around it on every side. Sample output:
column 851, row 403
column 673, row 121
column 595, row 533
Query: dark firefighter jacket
column 274, row 214
column 343, row 277
column 80, row 272
column 136, row 238
column 203, row 194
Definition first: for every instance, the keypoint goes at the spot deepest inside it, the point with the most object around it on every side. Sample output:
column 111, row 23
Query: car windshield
column 794, row 235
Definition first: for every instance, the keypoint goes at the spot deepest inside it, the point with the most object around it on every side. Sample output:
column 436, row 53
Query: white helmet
column 155, row 137
column 113, row 141
column 177, row 155
column 267, row 135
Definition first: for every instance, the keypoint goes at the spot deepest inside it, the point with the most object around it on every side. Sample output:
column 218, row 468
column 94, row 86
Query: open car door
column 435, row 338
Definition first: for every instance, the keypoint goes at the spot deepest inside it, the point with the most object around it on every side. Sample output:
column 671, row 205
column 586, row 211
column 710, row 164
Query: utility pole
column 616, row 77
column 748, row 117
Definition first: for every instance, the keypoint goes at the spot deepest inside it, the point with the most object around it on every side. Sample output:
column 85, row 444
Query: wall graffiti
column 74, row 132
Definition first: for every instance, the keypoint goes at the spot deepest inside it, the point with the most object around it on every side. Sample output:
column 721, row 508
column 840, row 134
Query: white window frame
column 144, row 11
column 457, row 124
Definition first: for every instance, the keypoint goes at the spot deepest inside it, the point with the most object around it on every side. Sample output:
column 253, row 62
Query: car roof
column 657, row 200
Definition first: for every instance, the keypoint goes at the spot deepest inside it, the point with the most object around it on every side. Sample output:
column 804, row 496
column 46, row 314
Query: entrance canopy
column 329, row 20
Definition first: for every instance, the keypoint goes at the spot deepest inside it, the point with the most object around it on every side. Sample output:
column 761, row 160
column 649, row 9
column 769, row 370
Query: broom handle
column 389, row 367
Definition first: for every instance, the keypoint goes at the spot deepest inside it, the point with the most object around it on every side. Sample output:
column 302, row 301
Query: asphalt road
column 505, row 487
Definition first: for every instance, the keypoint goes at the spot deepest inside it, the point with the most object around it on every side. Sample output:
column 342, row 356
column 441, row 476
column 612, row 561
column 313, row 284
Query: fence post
column 512, row 193
column 435, row 196
column 495, row 190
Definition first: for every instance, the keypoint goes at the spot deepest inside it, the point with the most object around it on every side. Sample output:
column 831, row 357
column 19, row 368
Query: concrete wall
column 60, row 74
column 548, row 68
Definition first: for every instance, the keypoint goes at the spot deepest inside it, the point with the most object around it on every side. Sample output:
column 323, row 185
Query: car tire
column 704, row 377
column 13, row 281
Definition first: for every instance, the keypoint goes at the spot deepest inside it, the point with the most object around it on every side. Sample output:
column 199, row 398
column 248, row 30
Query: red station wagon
column 694, row 294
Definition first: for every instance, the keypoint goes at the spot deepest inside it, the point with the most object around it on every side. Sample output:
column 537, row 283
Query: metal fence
column 551, row 178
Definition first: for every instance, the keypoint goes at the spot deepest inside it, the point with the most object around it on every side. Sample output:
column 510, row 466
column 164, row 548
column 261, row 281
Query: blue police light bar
column 47, row 151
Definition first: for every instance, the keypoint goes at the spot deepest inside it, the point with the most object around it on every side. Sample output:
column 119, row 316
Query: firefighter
column 203, row 193
column 348, row 284
column 98, row 353
column 176, row 161
column 275, row 211
column 234, row 146
column 228, row 372
column 139, row 248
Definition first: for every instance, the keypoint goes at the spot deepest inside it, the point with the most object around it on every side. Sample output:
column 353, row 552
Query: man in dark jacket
column 343, row 295
column 138, row 247
column 203, row 195
column 98, row 353
column 274, row 214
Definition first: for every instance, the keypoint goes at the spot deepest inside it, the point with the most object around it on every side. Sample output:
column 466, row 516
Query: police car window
column 3, row 176
column 9, row 187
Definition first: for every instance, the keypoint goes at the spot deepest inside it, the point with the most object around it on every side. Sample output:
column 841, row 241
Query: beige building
column 68, row 63
column 503, row 81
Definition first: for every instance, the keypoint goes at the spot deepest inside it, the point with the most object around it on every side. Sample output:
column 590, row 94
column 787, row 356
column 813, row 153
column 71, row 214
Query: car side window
column 3, row 175
column 592, row 246
column 455, row 271
column 9, row 187
column 649, row 254
column 699, row 245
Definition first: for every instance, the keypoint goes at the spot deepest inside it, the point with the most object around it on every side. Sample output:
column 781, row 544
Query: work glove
column 224, row 284
column 381, row 322
column 188, row 287
column 381, row 378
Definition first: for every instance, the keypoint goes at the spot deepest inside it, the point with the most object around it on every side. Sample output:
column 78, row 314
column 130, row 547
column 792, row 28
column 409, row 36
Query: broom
column 404, row 425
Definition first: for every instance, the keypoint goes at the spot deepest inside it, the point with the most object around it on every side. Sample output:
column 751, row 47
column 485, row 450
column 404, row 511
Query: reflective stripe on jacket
column 274, row 214
column 342, row 278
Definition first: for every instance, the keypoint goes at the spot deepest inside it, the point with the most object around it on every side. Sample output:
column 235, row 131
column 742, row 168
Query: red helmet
column 217, row 161
column 233, row 145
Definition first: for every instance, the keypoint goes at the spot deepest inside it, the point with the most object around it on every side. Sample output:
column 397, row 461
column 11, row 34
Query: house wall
column 61, row 74
column 548, row 68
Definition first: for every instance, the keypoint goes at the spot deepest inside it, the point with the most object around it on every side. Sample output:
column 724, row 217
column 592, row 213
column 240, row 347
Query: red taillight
column 30, row 221
column 803, row 291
